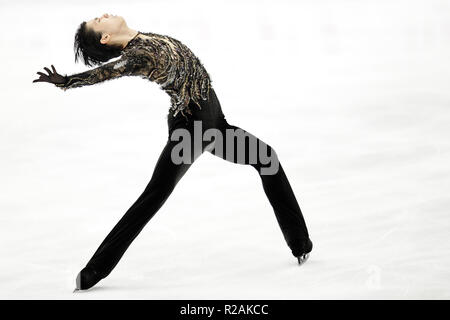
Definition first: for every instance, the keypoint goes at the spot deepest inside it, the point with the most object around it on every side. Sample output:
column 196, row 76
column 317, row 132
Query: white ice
column 353, row 95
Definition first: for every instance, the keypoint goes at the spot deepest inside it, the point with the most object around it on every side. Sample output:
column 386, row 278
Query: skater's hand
column 52, row 77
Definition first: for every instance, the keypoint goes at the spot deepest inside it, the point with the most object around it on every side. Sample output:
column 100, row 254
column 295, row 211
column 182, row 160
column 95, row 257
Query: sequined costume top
column 158, row 58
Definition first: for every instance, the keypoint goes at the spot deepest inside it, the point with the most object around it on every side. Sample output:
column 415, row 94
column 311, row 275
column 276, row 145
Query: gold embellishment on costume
column 160, row 59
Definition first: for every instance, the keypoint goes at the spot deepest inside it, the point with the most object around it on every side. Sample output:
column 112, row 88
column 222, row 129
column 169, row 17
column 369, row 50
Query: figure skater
column 195, row 109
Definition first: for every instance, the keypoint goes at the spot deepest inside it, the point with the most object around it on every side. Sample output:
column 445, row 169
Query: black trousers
column 167, row 173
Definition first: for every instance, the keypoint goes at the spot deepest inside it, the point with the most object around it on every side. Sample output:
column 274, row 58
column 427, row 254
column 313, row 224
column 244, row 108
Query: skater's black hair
column 87, row 47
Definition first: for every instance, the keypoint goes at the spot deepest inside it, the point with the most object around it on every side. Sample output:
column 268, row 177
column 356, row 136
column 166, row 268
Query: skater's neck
column 126, row 36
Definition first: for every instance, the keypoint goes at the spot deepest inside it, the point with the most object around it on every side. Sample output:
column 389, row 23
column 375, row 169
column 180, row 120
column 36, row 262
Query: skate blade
column 78, row 282
column 303, row 258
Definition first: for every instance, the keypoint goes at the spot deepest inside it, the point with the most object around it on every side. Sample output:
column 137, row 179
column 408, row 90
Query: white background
column 353, row 95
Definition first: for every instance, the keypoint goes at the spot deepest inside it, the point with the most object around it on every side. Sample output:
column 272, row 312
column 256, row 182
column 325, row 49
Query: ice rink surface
column 353, row 95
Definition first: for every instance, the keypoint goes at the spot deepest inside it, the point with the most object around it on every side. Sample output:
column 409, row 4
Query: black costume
column 172, row 65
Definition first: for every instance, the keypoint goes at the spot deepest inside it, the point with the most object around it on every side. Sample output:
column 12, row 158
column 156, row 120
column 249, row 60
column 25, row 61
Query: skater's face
column 108, row 25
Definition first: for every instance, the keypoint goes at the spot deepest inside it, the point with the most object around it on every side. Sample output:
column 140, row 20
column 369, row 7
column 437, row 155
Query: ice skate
column 86, row 279
column 302, row 258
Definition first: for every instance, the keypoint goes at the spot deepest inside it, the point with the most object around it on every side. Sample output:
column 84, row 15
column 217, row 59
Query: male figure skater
column 195, row 109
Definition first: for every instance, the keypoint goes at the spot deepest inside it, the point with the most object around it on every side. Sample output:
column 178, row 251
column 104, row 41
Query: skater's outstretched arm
column 131, row 63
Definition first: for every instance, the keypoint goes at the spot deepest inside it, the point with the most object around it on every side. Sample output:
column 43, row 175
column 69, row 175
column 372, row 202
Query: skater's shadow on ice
column 97, row 289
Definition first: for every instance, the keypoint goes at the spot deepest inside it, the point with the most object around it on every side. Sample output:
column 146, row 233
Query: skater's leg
column 275, row 184
column 164, row 179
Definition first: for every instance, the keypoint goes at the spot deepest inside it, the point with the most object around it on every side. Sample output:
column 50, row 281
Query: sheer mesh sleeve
column 131, row 63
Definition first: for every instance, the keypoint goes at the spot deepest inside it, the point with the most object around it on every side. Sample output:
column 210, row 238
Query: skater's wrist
column 62, row 83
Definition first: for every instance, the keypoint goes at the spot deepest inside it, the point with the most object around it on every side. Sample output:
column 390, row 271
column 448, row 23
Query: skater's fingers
column 41, row 79
column 48, row 70
column 43, row 75
column 54, row 70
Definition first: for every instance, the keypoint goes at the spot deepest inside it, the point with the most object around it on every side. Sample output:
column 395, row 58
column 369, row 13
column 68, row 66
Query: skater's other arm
column 131, row 63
